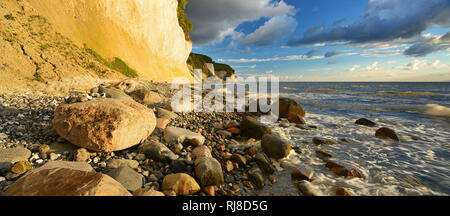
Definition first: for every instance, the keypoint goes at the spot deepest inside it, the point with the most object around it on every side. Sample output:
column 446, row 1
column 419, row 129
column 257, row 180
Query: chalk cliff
column 143, row 33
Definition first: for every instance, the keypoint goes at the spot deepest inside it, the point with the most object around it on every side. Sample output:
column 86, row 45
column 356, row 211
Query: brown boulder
column 289, row 109
column 104, row 125
column 386, row 133
column 342, row 170
column 66, row 182
column 252, row 128
column 275, row 146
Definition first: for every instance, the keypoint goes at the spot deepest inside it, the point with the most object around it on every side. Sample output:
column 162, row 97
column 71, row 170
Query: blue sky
column 326, row 40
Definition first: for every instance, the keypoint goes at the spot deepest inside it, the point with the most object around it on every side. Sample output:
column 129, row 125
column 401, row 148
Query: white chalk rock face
column 143, row 33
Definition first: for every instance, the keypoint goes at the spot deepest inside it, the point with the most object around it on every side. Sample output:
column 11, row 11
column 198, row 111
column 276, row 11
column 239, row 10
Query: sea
column 418, row 112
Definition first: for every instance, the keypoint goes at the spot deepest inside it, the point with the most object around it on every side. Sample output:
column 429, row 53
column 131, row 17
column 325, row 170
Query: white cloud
column 273, row 30
column 372, row 67
column 354, row 68
column 216, row 19
column 419, row 64
column 285, row 58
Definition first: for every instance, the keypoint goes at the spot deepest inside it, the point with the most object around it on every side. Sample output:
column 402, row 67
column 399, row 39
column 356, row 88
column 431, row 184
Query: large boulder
column 291, row 110
column 181, row 183
column 65, row 182
column 10, row 156
column 179, row 135
column 157, row 151
column 365, row 122
column 145, row 96
column 343, row 170
column 208, row 171
column 387, row 133
column 275, row 146
column 129, row 178
column 104, row 125
column 252, row 128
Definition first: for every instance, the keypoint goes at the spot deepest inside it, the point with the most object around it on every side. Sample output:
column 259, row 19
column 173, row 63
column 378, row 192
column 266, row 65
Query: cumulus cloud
column 372, row 67
column 428, row 44
column 215, row 20
column 354, row 68
column 418, row 64
column 273, row 30
column 385, row 20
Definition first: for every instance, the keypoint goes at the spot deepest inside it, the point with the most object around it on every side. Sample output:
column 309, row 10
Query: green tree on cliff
column 183, row 20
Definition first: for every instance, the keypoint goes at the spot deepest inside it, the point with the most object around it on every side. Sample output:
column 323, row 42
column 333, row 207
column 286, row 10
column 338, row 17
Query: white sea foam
column 388, row 168
column 437, row 110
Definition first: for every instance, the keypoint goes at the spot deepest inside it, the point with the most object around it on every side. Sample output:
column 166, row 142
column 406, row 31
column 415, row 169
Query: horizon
column 326, row 41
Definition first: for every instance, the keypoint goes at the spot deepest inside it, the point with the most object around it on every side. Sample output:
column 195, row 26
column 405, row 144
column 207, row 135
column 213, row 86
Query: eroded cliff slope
column 143, row 33
column 53, row 40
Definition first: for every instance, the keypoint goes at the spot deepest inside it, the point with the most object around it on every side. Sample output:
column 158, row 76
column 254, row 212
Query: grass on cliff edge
column 116, row 64
column 183, row 20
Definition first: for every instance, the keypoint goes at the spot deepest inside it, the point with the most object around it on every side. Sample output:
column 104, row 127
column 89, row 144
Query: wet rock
column 145, row 96
column 104, row 125
column 323, row 155
column 290, row 109
column 386, row 133
column 21, row 167
column 342, row 192
column 264, row 163
column 179, row 135
column 201, row 151
column 307, row 188
column 129, row 178
column 365, row 122
column 181, row 183
column 66, row 182
column 302, row 173
column 257, row 177
column 147, row 192
column 81, row 155
column 157, row 151
column 323, row 141
column 116, row 163
column 10, row 156
column 162, row 113
column 275, row 147
column 252, row 128
column 208, row 171
column 341, row 170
